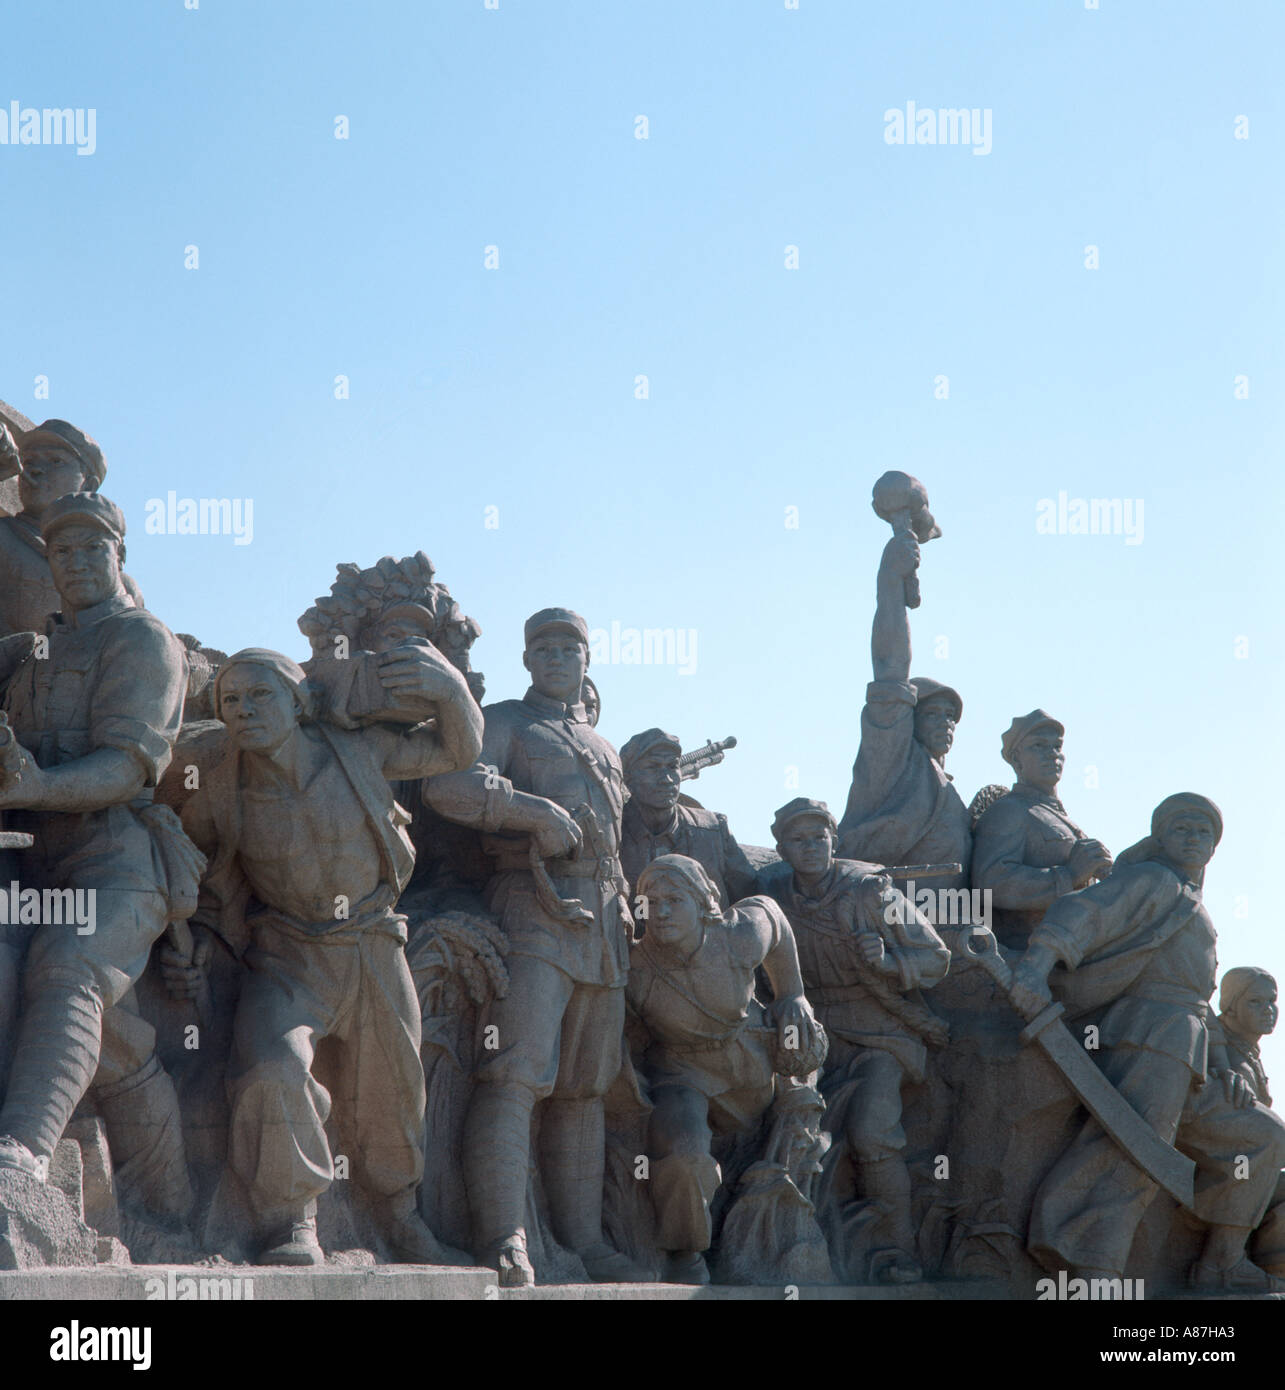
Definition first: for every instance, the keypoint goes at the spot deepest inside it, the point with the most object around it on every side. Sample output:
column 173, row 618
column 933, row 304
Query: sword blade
column 1159, row 1161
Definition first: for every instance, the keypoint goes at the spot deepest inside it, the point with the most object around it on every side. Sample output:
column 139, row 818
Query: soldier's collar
column 1029, row 792
column 546, row 705
column 87, row 617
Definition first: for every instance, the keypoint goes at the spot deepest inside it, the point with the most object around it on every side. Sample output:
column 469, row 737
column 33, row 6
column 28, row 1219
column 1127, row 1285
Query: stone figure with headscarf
column 1142, row 944
column 308, row 856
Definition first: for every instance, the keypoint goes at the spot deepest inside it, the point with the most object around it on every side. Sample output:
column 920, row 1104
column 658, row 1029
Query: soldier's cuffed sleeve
column 999, row 852
column 1083, row 923
column 479, row 796
column 883, row 773
column 137, row 704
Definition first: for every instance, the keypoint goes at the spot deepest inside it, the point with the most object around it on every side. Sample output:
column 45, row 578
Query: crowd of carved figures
column 376, row 967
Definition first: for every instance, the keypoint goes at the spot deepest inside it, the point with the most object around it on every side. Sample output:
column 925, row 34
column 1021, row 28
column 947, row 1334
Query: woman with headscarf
column 1142, row 942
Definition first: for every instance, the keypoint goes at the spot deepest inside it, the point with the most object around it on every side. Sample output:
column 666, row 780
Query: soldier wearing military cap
column 560, row 896
column 55, row 459
column 96, row 714
column 657, row 821
column 903, row 807
column 1027, row 852
column 865, row 953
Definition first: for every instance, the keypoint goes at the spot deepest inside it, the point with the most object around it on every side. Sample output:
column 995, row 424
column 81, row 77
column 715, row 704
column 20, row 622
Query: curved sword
column 1160, row 1161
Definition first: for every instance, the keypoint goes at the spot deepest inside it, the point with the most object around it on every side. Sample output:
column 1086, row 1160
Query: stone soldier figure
column 559, row 895
column 1027, row 852
column 309, row 854
column 132, row 1092
column 96, row 719
column 712, row 1051
column 1143, row 940
column 903, row 807
column 656, row 822
column 865, row 952
column 56, row 459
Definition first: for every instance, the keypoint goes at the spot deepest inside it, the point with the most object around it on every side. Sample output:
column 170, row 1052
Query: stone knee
column 277, row 1133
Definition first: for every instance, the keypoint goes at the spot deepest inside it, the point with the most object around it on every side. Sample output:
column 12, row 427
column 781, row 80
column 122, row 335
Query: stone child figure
column 712, row 1051
column 559, row 894
column 902, row 806
column 96, row 718
column 309, row 854
column 865, row 952
column 1143, row 941
column 1026, row 850
column 656, row 822
column 1247, row 1013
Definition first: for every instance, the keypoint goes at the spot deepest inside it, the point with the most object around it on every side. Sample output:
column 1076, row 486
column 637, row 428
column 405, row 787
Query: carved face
column 590, row 699
column 258, row 707
column 1039, row 760
column 48, row 473
column 85, row 563
column 394, row 631
column 673, row 913
column 1188, row 842
column 935, row 724
column 654, row 778
column 1255, row 1013
column 557, row 662
column 808, row 846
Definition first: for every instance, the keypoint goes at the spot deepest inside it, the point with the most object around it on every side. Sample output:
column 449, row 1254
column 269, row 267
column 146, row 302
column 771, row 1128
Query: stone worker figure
column 656, row 822
column 559, row 894
column 1026, row 850
column 96, row 719
column 713, row 1052
column 865, row 953
column 903, row 807
column 1143, row 939
column 308, row 856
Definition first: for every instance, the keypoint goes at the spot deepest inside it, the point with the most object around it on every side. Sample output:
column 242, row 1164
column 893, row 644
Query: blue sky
column 770, row 388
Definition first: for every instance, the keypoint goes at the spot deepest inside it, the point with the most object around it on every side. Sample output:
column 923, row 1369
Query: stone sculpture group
column 330, row 957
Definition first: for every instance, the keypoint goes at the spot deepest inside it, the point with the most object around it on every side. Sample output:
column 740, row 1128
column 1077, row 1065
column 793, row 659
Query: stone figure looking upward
column 1142, row 942
column 559, row 894
column 865, row 953
column 712, row 1051
column 656, row 822
column 1026, row 850
column 903, row 807
column 96, row 719
column 301, row 826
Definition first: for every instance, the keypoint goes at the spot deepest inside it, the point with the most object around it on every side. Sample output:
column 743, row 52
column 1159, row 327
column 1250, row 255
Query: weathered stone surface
column 38, row 1226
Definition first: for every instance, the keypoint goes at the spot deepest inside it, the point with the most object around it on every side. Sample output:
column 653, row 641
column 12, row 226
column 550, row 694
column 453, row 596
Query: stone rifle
column 707, row 755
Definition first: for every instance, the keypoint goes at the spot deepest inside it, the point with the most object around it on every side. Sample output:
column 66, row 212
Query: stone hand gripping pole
column 1136, row 1138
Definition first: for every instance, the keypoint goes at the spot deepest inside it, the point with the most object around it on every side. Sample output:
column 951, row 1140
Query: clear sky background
column 770, row 388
